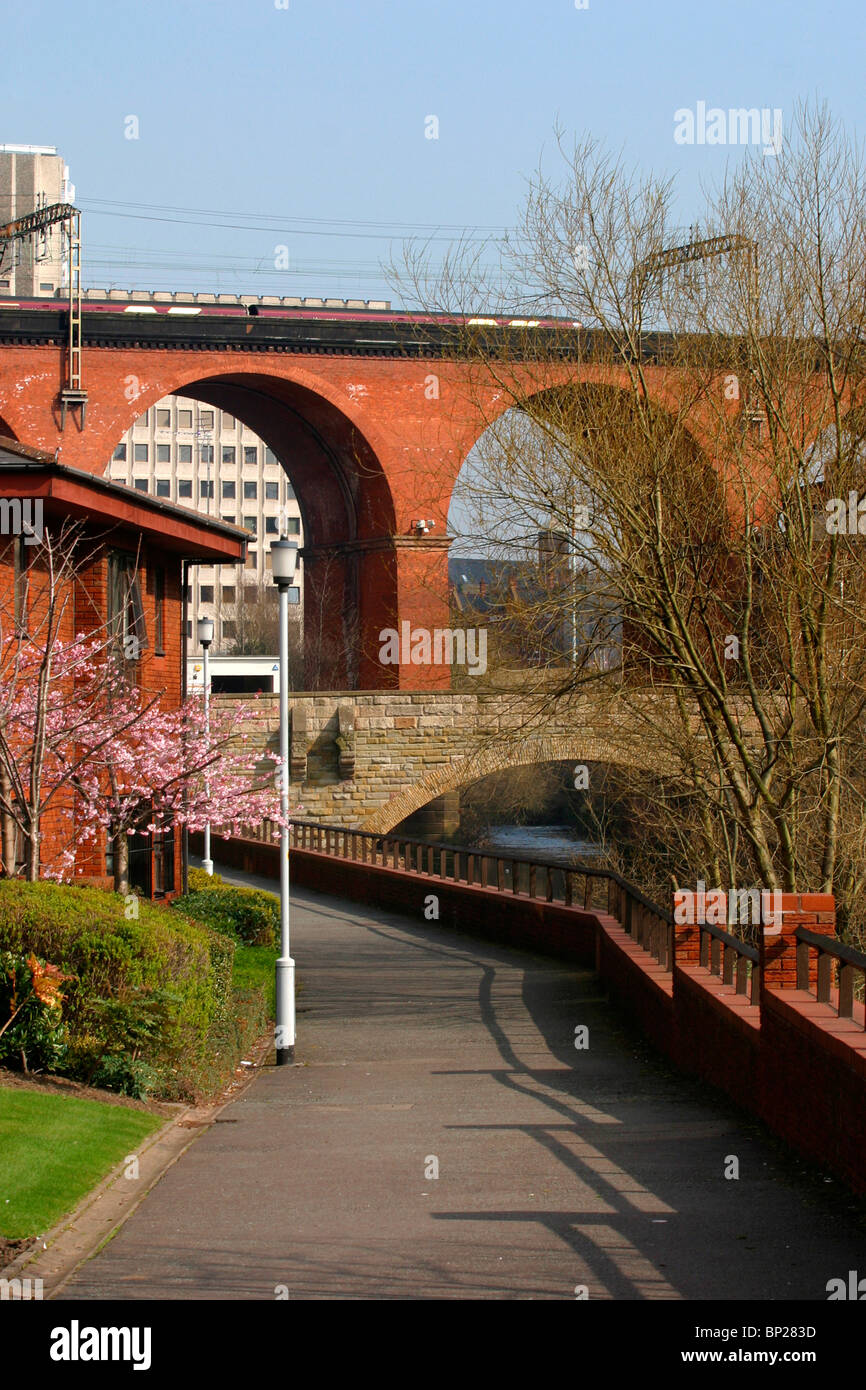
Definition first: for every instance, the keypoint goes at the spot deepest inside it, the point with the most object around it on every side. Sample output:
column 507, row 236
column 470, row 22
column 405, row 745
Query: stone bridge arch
column 544, row 748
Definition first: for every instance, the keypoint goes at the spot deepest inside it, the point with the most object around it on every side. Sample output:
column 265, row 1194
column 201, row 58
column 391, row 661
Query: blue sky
column 312, row 117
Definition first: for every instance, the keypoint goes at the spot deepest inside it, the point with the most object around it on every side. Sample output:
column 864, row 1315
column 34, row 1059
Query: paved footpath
column 557, row 1168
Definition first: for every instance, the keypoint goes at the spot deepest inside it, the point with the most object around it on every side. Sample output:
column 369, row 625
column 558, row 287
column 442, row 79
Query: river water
column 558, row 844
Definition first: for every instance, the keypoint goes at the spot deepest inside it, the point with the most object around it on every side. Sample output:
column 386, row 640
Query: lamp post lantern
column 204, row 632
column 284, row 558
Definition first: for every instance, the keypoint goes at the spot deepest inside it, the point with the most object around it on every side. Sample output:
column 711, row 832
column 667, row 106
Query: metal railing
column 733, row 960
column 575, row 885
column 838, row 967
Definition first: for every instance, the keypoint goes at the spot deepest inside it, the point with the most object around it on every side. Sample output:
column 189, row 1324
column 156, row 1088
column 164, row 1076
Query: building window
column 232, row 520
column 293, row 525
column 163, row 453
column 184, row 419
column 120, row 453
column 184, row 487
column 272, row 492
column 205, row 488
column 228, row 421
column 205, row 419
column 205, row 593
column 20, row 582
column 251, row 491
column 270, row 456
column 184, row 453
column 251, row 455
column 140, row 453
column 290, row 491
column 157, row 584
column 207, row 453
column 229, row 592
column 294, row 593
column 140, row 484
column 252, row 561
column 189, row 628
column 189, row 593
column 163, row 487
column 271, row 528
column 228, row 453
column 125, row 609
column 250, row 523
column 228, row 628
column 228, row 488
column 163, row 419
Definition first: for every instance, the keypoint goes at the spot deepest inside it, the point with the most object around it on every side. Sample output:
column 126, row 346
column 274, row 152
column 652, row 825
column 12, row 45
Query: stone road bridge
column 370, row 759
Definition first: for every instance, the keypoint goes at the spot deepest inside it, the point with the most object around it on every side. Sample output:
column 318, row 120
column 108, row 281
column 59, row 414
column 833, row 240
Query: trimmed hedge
column 249, row 915
column 151, row 988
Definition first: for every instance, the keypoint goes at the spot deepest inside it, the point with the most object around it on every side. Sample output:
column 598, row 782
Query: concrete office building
column 207, row 459
column 33, row 176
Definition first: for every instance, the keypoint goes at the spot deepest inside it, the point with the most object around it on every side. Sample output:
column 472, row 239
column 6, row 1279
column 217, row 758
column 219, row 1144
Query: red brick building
column 130, row 579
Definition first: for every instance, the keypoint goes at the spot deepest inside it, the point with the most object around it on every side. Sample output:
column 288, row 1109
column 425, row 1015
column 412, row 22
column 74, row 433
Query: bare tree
column 697, row 445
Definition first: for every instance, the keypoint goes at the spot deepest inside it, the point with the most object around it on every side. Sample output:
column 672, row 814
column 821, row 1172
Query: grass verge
column 54, row 1150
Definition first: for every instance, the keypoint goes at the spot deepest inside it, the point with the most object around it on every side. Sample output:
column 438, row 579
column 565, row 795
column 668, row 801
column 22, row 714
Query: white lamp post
column 204, row 632
column 284, row 558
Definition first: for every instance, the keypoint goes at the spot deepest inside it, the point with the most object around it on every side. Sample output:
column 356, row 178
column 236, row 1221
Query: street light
column 204, row 632
column 284, row 559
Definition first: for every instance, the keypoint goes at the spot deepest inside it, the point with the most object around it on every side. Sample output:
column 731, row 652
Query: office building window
column 229, row 592
column 163, row 419
column 251, row 455
column 205, row 488
column 252, row 561
column 143, row 418
column 228, row 488
column 294, row 594
column 228, row 628
column 251, row 491
column 184, row 453
column 270, row 456
column 140, row 453
column 206, row 453
column 205, row 593
column 293, row 525
column 271, row 527
column 140, row 484
column 184, row 487
column 163, row 453
column 163, row 487
column 184, row 419
column 189, row 628
column 232, row 520
column 228, row 421
column 228, row 453
column 250, row 523
column 120, row 453
column 290, row 491
column 272, row 492
column 205, row 419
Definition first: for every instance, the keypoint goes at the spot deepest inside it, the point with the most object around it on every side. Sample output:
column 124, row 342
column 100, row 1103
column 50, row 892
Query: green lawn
column 54, row 1149
column 254, row 965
